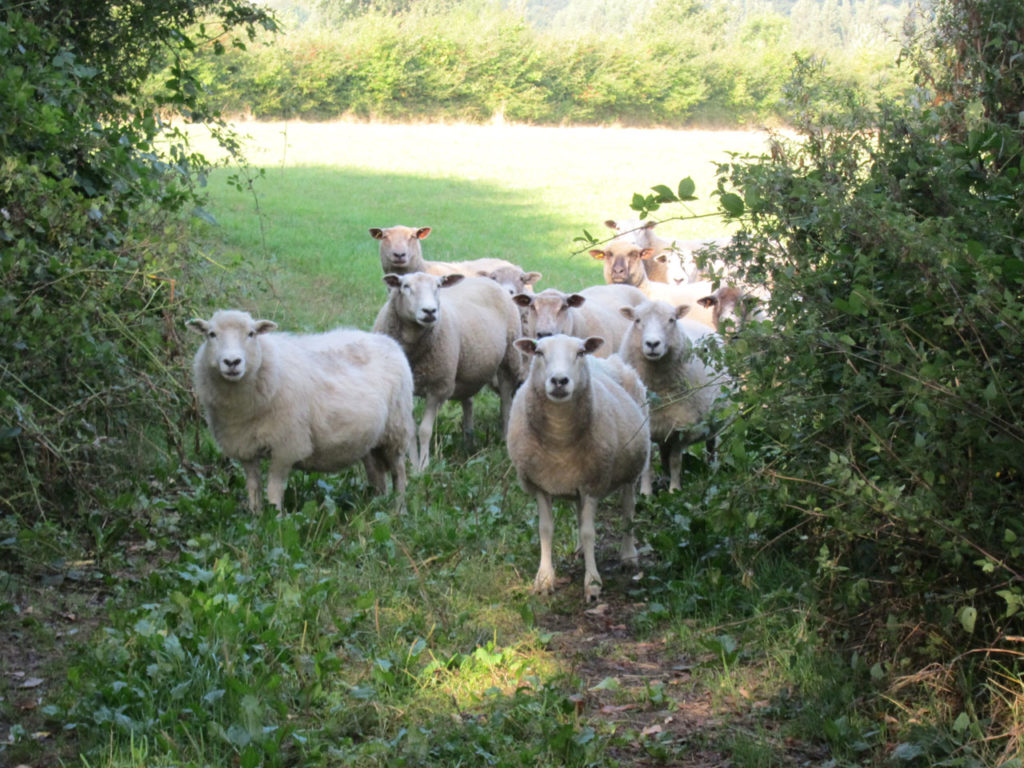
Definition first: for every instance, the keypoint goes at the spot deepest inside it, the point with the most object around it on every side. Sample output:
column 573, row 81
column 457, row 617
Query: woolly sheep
column 673, row 261
column 591, row 312
column 623, row 265
column 660, row 346
column 733, row 306
column 319, row 402
column 512, row 279
column 402, row 253
column 578, row 429
column 455, row 347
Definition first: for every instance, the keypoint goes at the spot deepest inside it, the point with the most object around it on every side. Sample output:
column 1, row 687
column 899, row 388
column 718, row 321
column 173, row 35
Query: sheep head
column 623, row 262
column 654, row 329
column 416, row 296
column 558, row 363
column 399, row 246
column 231, row 347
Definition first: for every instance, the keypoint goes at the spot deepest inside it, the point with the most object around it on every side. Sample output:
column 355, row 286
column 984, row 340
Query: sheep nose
column 653, row 345
column 429, row 314
column 560, row 382
column 233, row 363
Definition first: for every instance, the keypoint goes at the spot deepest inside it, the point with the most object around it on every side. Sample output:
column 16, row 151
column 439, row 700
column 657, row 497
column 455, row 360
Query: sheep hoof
column 592, row 590
column 544, row 584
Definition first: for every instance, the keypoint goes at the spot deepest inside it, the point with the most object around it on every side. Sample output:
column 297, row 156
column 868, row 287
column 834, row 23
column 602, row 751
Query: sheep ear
column 523, row 299
column 265, row 326
column 708, row 301
column 391, row 280
column 598, row 254
column 575, row 300
column 646, row 253
column 681, row 310
column 422, row 232
column 531, row 277
column 449, row 280
column 592, row 344
column 526, row 346
column 662, row 257
column 198, row 325
column 627, row 312
column 376, row 233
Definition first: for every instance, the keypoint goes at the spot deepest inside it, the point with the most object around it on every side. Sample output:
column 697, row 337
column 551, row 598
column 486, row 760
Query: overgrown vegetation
column 673, row 64
column 845, row 585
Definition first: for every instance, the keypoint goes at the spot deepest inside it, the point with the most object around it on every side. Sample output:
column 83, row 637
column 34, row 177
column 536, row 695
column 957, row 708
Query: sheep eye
column 212, row 335
column 252, row 334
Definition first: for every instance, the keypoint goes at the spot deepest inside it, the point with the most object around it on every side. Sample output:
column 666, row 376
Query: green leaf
column 665, row 195
column 686, row 189
column 968, row 616
column 732, row 204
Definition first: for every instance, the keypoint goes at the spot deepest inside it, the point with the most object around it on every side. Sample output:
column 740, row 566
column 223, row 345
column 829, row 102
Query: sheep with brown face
column 578, row 430
column 733, row 306
column 401, row 252
column 319, row 402
column 623, row 264
column 458, row 335
column 661, row 345
column 594, row 311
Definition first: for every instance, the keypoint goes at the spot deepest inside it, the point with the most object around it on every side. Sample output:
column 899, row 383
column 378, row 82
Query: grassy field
column 516, row 192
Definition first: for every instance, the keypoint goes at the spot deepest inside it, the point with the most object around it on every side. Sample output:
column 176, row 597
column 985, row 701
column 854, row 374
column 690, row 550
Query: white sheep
column 733, row 306
column 512, row 279
column 673, row 261
column 319, row 402
column 578, row 429
column 594, row 311
column 623, row 265
column 455, row 346
column 685, row 391
column 402, row 253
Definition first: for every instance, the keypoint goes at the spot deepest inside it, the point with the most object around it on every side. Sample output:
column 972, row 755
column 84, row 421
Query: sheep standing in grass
column 578, row 429
column 623, row 265
column 660, row 345
column 319, row 402
column 455, row 346
column 593, row 311
column 402, row 253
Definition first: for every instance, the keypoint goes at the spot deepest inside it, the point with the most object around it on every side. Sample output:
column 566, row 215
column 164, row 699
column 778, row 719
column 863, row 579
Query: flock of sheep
column 586, row 380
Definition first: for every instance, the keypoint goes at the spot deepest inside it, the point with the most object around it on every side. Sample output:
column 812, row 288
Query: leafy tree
column 90, row 221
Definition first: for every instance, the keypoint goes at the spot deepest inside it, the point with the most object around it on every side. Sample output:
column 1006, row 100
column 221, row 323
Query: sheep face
column 512, row 279
column 623, row 262
column 558, row 364
column 231, row 345
column 655, row 330
column 417, row 296
column 548, row 311
column 399, row 246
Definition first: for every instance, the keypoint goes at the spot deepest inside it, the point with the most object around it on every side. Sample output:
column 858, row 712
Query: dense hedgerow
column 93, row 218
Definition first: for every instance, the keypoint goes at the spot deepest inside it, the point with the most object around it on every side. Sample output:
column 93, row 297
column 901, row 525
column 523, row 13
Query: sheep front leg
column 277, row 479
column 253, row 484
column 591, row 578
column 673, row 450
column 431, row 406
column 544, row 583
column 646, row 479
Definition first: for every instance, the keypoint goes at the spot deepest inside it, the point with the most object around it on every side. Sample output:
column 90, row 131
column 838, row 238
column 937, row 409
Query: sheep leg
column 646, row 478
column 426, row 430
column 253, row 484
column 544, row 583
column 591, row 579
column 375, row 472
column 672, row 456
column 467, row 424
column 627, row 552
column 277, row 479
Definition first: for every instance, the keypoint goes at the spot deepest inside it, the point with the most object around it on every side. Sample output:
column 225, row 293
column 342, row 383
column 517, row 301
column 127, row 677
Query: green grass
column 523, row 194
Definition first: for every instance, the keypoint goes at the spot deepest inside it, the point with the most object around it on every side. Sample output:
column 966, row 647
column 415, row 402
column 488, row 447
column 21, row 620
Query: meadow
column 516, row 192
